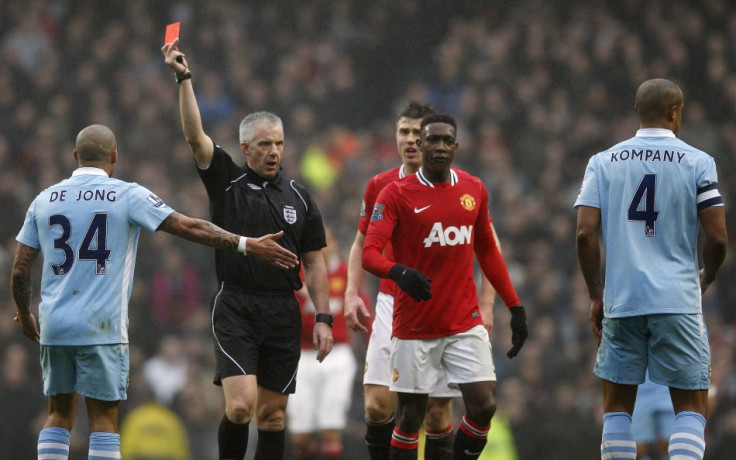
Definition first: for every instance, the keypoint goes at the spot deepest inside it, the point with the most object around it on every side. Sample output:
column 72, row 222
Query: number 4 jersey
column 649, row 190
column 87, row 229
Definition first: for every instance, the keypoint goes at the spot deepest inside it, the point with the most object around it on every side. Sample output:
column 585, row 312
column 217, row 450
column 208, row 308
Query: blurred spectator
column 176, row 289
column 166, row 372
column 152, row 431
column 317, row 412
column 20, row 402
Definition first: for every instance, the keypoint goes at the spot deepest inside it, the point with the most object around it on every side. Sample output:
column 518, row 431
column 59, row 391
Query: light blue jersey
column 649, row 190
column 87, row 229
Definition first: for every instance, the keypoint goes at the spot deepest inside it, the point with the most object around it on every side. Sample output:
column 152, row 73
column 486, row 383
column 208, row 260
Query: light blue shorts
column 94, row 371
column 674, row 346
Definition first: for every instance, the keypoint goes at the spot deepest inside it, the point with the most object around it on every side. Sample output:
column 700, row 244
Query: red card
column 172, row 32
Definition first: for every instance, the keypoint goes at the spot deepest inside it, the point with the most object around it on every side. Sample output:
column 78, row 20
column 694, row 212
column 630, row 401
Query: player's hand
column 411, row 281
column 267, row 250
column 486, row 313
column 596, row 319
column 175, row 58
column 704, row 282
column 519, row 330
column 28, row 326
column 488, row 323
column 353, row 305
column 322, row 340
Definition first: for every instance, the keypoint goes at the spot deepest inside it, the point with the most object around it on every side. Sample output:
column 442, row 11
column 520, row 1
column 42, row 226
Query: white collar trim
column 423, row 179
column 654, row 132
column 89, row 170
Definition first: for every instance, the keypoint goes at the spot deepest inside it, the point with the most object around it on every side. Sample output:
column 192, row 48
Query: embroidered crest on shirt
column 467, row 202
column 289, row 214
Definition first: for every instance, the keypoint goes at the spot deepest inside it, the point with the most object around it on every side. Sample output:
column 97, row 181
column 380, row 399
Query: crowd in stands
column 538, row 86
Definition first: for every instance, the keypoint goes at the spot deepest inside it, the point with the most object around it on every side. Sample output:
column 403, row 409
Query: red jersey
column 337, row 275
column 374, row 187
column 436, row 229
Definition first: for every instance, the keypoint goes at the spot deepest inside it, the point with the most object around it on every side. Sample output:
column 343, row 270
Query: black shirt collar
column 254, row 178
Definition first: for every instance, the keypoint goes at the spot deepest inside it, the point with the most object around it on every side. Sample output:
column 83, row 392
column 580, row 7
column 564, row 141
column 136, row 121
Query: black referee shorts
column 257, row 334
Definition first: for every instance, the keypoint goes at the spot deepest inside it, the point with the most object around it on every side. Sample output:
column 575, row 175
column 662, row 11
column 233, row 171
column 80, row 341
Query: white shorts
column 324, row 391
column 378, row 355
column 464, row 358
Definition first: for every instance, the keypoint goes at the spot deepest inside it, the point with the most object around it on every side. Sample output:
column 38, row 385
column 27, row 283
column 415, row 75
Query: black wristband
column 180, row 77
column 326, row 318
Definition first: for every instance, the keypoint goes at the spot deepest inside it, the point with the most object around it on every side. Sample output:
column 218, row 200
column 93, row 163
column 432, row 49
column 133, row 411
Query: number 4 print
column 645, row 193
column 96, row 232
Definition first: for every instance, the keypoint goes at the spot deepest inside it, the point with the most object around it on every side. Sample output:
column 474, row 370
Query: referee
column 255, row 316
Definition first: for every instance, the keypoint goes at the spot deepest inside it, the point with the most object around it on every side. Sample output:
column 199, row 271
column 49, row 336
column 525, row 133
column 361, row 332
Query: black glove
column 411, row 281
column 519, row 331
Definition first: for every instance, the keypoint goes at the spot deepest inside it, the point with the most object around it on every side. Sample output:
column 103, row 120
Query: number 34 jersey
column 649, row 190
column 87, row 229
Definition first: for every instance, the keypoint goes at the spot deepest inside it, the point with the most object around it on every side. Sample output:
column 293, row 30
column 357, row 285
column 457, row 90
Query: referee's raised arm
column 191, row 121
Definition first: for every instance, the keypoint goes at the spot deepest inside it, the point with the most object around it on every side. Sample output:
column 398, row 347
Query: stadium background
column 538, row 86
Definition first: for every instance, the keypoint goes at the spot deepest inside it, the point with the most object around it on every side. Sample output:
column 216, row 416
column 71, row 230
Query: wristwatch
column 326, row 318
column 180, row 77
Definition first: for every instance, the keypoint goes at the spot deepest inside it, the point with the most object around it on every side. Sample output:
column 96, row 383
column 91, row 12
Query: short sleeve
column 589, row 193
column 28, row 234
column 146, row 209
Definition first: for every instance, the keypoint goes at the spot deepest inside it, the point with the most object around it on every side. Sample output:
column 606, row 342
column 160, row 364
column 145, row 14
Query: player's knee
column 437, row 417
column 482, row 411
column 378, row 409
column 239, row 412
column 271, row 418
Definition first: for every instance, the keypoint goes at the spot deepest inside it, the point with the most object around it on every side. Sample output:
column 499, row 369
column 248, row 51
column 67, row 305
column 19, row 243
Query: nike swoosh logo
column 467, row 452
column 418, row 210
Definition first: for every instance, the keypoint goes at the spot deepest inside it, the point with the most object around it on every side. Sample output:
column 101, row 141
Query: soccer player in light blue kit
column 652, row 420
column 86, row 227
column 647, row 195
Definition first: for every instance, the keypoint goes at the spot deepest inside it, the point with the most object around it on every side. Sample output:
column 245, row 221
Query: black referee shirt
column 244, row 203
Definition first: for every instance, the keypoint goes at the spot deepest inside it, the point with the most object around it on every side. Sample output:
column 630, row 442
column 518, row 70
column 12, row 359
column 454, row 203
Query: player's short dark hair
column 655, row 97
column 438, row 118
column 417, row 111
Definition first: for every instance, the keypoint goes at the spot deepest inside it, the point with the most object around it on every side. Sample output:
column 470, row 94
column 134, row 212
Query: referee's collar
column 255, row 178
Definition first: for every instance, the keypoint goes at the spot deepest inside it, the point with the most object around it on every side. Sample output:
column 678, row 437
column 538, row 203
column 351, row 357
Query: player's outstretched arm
column 354, row 304
column 21, row 284
column 191, row 121
column 201, row 231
